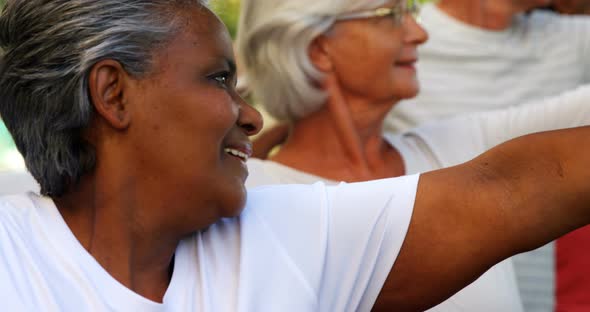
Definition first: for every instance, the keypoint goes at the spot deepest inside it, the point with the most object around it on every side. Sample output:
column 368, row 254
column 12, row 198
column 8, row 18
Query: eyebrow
column 232, row 69
column 232, row 65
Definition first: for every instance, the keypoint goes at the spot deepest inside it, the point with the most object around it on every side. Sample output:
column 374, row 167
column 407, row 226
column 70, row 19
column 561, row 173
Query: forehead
column 201, row 36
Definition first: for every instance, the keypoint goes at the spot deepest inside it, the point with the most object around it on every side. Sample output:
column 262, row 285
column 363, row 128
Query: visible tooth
column 236, row 153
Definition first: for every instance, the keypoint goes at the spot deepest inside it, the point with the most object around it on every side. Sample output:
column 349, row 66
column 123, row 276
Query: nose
column 249, row 119
column 414, row 33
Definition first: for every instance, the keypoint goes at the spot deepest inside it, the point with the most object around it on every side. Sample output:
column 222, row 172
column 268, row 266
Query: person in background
column 572, row 7
column 334, row 78
column 488, row 54
column 483, row 55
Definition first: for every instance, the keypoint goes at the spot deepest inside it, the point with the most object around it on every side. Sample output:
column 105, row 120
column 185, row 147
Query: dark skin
column 131, row 217
column 141, row 200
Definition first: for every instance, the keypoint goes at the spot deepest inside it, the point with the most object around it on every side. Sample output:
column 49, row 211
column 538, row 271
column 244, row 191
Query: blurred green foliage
column 228, row 11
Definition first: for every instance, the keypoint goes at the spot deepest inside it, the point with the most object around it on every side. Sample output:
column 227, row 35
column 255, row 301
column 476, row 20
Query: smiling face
column 374, row 58
column 189, row 128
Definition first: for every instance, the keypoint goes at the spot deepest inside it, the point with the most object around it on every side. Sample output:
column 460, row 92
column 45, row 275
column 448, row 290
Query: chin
column 235, row 203
column 412, row 94
column 408, row 92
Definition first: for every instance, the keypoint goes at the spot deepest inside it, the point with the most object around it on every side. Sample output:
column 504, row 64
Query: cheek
column 369, row 68
column 187, row 130
column 206, row 120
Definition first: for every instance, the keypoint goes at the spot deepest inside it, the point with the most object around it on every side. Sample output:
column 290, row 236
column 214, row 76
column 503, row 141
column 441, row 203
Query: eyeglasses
column 397, row 13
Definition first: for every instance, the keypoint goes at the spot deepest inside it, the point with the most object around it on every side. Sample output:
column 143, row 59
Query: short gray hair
column 272, row 46
column 49, row 49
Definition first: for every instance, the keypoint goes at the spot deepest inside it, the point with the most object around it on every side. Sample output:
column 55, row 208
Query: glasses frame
column 397, row 13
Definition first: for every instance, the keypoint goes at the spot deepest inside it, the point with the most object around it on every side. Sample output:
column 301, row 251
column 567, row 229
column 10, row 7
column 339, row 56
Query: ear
column 319, row 54
column 107, row 93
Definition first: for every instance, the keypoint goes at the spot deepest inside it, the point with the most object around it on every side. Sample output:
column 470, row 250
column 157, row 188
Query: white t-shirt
column 494, row 291
column 468, row 69
column 454, row 141
column 294, row 248
column 17, row 181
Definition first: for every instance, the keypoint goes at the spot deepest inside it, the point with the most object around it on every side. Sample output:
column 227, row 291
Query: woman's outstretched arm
column 513, row 198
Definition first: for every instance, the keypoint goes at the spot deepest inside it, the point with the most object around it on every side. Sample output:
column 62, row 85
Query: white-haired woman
column 127, row 115
column 334, row 70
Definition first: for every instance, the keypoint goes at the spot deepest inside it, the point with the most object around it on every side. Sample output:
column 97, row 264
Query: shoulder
column 279, row 201
column 259, row 173
column 306, row 226
column 15, row 216
column 18, row 216
column 13, row 182
column 15, row 208
column 19, row 275
column 551, row 23
column 267, row 172
column 303, row 205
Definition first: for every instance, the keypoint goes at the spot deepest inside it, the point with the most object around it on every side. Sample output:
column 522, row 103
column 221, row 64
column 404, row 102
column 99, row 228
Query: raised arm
column 472, row 134
column 513, row 198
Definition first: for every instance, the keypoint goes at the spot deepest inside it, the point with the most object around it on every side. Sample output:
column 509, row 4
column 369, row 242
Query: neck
column 109, row 225
column 341, row 143
column 490, row 15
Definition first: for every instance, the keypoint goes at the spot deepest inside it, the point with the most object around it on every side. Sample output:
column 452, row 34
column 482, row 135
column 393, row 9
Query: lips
column 242, row 152
column 409, row 62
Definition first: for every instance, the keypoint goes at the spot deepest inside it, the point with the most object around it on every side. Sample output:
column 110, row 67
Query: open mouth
column 406, row 63
column 234, row 152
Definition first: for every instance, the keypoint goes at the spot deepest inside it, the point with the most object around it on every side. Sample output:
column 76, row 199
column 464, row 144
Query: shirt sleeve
column 459, row 139
column 578, row 28
column 342, row 240
column 366, row 225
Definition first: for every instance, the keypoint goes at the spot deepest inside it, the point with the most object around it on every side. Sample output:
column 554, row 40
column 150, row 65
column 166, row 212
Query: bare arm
column 513, row 198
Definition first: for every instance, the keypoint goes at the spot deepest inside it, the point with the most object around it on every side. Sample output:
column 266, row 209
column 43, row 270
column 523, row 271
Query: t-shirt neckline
column 111, row 291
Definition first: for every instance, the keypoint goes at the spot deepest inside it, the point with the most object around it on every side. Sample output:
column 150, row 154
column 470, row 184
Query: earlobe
column 107, row 92
column 319, row 54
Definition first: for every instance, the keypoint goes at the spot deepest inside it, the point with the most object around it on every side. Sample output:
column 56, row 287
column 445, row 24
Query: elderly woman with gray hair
column 127, row 115
column 335, row 75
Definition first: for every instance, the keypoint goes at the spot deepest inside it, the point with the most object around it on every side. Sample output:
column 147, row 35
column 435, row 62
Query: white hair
column 272, row 46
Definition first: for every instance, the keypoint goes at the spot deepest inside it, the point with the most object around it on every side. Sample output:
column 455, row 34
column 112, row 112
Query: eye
column 223, row 79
